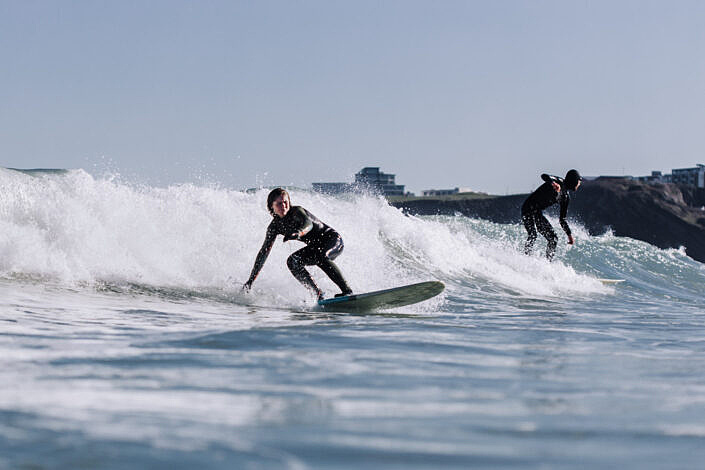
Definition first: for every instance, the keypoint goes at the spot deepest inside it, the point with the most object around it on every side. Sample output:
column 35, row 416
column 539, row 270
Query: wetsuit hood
column 571, row 179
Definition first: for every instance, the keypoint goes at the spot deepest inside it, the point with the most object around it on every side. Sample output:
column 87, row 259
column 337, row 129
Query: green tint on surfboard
column 381, row 299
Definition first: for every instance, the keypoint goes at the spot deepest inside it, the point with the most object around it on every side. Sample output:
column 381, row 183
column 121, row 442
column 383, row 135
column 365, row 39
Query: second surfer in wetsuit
column 323, row 244
column 554, row 190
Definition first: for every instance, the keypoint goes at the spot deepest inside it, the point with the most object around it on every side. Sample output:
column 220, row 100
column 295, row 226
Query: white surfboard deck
column 382, row 299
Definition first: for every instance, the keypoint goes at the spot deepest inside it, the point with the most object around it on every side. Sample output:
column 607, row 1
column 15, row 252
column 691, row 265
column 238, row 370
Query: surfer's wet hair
column 273, row 195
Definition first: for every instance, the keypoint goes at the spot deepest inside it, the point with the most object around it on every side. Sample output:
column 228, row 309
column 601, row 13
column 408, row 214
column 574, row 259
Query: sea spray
column 74, row 228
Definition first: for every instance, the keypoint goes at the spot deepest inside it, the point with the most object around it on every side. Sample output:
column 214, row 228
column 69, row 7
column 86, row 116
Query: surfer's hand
column 571, row 240
column 556, row 186
column 247, row 286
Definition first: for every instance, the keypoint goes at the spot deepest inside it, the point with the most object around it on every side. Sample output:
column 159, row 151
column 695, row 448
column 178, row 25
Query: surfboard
column 381, row 299
column 611, row 281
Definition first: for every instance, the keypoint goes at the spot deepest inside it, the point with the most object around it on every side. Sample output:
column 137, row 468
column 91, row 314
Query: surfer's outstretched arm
column 261, row 257
column 562, row 219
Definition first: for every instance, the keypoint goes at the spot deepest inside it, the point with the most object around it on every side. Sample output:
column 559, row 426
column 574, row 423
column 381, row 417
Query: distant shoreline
column 446, row 197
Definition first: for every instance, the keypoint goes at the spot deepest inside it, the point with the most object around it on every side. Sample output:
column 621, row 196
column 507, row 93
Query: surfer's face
column 281, row 205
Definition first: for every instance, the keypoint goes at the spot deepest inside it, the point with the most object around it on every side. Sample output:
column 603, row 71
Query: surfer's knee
column 550, row 236
column 294, row 263
column 552, row 241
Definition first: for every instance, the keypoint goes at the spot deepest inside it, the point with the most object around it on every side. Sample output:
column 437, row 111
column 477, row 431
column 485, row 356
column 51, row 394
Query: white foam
column 77, row 228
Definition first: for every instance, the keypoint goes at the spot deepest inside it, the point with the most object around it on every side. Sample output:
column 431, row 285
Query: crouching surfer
column 553, row 190
column 323, row 244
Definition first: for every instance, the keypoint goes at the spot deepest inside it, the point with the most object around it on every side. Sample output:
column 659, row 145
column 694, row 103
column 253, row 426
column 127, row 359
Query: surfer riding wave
column 323, row 244
column 553, row 190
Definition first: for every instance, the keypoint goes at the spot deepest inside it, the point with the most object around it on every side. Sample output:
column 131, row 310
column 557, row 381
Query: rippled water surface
column 126, row 342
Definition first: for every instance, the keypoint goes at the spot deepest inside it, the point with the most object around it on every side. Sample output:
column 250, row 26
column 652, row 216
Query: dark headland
column 665, row 215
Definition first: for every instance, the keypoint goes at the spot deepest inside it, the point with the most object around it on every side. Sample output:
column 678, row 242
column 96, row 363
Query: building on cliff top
column 368, row 179
column 688, row 176
column 445, row 192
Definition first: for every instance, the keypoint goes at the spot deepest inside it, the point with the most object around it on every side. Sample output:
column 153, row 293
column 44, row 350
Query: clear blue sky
column 480, row 94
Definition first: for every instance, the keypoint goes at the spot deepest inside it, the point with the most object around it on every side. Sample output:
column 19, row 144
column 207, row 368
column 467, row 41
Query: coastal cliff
column 665, row 215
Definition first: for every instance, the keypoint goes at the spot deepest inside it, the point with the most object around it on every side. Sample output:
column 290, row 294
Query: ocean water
column 126, row 342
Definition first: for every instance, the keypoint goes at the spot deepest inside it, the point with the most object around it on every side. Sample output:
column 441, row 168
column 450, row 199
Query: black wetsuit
column 533, row 218
column 323, row 245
